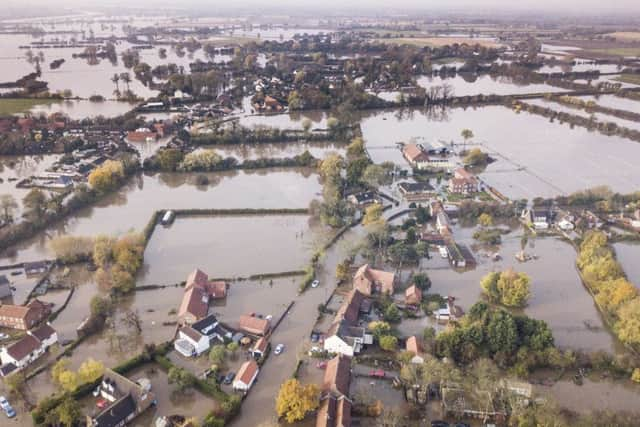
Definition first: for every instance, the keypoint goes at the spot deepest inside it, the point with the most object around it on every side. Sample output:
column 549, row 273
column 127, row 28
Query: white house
column 565, row 224
column 246, row 376
column 191, row 342
column 336, row 345
column 28, row 349
column 342, row 338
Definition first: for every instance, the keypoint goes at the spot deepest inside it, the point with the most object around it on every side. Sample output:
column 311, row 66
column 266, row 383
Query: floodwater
column 13, row 169
column 80, row 109
column 131, row 207
column 554, row 284
column 464, row 85
column 628, row 255
column 294, row 120
column 535, row 157
column 612, row 101
column 591, row 395
column 247, row 244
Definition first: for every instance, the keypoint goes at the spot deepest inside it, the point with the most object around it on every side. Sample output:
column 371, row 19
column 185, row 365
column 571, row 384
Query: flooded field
column 554, row 282
column 293, row 120
column 232, row 246
column 465, row 85
column 628, row 254
column 612, row 101
column 319, row 150
column 536, row 163
column 77, row 110
column 131, row 207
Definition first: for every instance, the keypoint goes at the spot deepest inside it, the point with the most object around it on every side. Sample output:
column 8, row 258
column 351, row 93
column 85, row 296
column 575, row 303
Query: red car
column 102, row 403
column 379, row 373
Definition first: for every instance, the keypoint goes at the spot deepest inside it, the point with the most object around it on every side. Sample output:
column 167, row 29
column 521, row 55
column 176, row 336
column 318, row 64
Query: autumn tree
column 36, row 203
column 388, row 342
column 485, row 220
column 90, row 370
column 507, row 288
column 295, row 400
column 8, row 205
column 71, row 248
column 628, row 324
column 475, row 157
column 107, row 176
column 68, row 412
column 182, row 378
column 373, row 215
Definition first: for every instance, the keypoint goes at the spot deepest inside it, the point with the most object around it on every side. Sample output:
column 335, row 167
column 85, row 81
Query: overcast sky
column 576, row 6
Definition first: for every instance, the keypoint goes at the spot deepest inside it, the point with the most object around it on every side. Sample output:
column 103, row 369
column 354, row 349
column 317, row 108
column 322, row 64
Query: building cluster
column 335, row 403
column 27, row 349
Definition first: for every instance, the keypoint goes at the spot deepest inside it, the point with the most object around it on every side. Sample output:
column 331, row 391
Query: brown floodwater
column 131, row 207
column 292, row 120
column 485, row 84
column 628, row 254
column 535, row 157
column 319, row 150
column 557, row 294
column 228, row 246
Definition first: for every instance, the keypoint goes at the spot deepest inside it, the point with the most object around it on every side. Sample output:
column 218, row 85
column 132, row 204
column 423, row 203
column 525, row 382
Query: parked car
column 3, row 336
column 314, row 350
column 96, row 392
column 439, row 423
column 378, row 373
column 220, row 378
column 229, row 378
column 4, row 403
column 279, row 349
column 315, row 283
column 10, row 412
column 102, row 403
column 315, row 337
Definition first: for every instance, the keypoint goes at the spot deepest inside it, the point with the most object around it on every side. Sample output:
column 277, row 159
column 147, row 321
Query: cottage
column 463, row 182
column 254, row 325
column 539, row 218
column 415, row 155
column 416, row 191
column 334, row 412
column 24, row 316
column 260, row 348
column 413, row 346
column 337, row 376
column 212, row 329
column 246, row 376
column 363, row 198
column 413, row 295
column 460, row 256
column 129, row 399
column 142, row 135
column 198, row 291
column 5, row 287
column 191, row 342
column 367, row 281
column 335, row 405
column 27, row 349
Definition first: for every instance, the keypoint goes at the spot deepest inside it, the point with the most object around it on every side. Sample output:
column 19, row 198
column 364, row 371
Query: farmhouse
column 254, row 325
column 24, row 316
column 463, row 182
column 345, row 336
column 198, row 291
column 367, row 281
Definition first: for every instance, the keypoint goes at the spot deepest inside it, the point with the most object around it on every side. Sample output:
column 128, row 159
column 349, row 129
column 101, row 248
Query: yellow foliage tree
column 507, row 288
column 106, row 176
column 628, row 325
column 612, row 294
column 373, row 215
column 90, row 370
column 485, row 220
column 68, row 380
column 295, row 400
column 635, row 377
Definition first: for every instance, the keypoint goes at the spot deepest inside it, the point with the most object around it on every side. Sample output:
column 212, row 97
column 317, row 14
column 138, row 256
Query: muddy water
column 612, row 101
column 464, row 85
column 601, row 395
column 81, row 109
column 319, row 150
column 232, row 246
column 13, row 169
column 131, row 207
column 536, row 157
column 628, row 255
column 283, row 121
column 554, row 284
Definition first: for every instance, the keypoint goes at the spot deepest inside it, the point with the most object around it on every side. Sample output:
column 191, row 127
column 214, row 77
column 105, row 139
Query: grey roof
column 113, row 415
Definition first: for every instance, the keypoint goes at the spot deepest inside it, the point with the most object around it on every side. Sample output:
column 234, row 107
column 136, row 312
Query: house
column 363, row 198
column 345, row 336
column 198, row 291
column 450, row 311
column 432, row 238
column 142, row 135
column 271, row 104
column 566, row 224
column 27, row 349
column 337, row 376
column 5, row 287
column 412, row 346
column 413, row 295
column 539, row 218
column 24, row 316
column 260, row 348
column 334, row 412
column 246, row 376
column 191, row 342
column 463, row 182
column 128, row 400
column 460, row 256
column 416, row 191
column 367, row 281
column 254, row 325
column 415, row 155
column 443, row 223
column 212, row 329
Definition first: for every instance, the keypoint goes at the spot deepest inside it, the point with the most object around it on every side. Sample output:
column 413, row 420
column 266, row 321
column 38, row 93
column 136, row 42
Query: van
column 168, row 218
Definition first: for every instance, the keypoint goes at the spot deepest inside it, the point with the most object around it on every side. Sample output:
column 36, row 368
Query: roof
column 116, row 413
column 415, row 187
column 194, row 302
column 254, row 324
column 43, row 332
column 350, row 308
column 412, row 345
column 334, row 412
column 14, row 311
column 337, row 376
column 413, row 153
column 191, row 333
column 462, row 173
column 199, row 279
column 247, row 371
column 205, row 325
column 365, row 277
column 261, row 345
column 413, row 293
column 23, row 347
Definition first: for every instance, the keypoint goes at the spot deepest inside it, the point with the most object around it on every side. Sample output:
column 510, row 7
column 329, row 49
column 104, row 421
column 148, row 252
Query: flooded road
column 131, row 207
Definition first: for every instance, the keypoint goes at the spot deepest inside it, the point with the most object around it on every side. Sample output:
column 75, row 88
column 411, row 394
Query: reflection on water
column 465, row 85
column 628, row 254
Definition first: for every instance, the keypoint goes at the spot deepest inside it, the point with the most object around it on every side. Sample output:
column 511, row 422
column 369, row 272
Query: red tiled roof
column 412, row 345
column 247, row 371
column 191, row 333
column 254, row 325
column 337, row 376
column 194, row 302
column 413, row 295
column 261, row 345
column 334, row 412
column 366, row 277
column 22, row 348
column 350, row 308
column 413, row 153
column 43, row 332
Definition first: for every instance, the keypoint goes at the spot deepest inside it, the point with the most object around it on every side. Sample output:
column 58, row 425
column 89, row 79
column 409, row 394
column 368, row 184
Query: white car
column 279, row 349
column 315, row 283
column 314, row 350
column 4, row 403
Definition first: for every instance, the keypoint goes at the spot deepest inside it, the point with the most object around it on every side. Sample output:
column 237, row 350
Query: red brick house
column 24, row 316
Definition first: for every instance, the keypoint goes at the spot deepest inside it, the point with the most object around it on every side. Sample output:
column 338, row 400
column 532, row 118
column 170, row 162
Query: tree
column 379, row 328
column 90, row 370
column 392, row 313
column 422, row 281
column 355, row 148
column 628, row 325
column 343, row 270
column 102, row 250
column 475, row 157
column 485, row 220
column 169, row 159
column 422, row 215
column 35, row 201
column 8, row 205
column 217, row 354
column 635, row 376
column 294, row 101
column 466, row 134
column 68, row 380
column 15, row 382
column 68, row 412
column 295, row 400
column 373, row 214
column 107, row 176
column 71, row 248
column 507, row 288
column 388, row 342
column 306, row 125
column 100, row 306
column 182, row 378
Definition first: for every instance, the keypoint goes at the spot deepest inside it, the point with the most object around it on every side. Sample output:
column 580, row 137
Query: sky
column 574, row 6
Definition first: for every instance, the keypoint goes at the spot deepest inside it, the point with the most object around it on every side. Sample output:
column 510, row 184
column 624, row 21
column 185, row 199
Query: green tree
column 392, row 314
column 475, row 157
column 379, row 328
column 217, row 354
column 68, row 412
column 388, row 342
column 507, row 288
column 466, row 134
column 422, row 281
column 182, row 378
column 35, row 202
column 169, row 159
